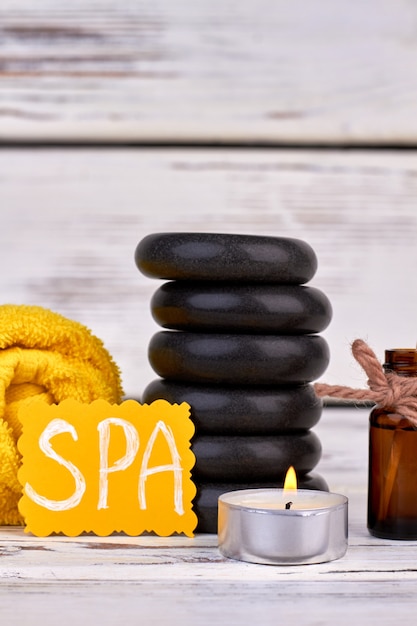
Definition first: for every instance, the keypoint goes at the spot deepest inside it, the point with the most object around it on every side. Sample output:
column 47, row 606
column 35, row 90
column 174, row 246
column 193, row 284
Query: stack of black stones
column 242, row 349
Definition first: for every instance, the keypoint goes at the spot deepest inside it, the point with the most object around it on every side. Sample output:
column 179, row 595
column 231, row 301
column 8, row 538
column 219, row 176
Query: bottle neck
column 402, row 361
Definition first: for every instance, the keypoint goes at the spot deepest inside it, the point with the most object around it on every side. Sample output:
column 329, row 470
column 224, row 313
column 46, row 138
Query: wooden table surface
column 161, row 581
column 118, row 119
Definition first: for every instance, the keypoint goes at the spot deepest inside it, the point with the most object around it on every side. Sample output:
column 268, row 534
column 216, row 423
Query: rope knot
column 389, row 390
column 382, row 394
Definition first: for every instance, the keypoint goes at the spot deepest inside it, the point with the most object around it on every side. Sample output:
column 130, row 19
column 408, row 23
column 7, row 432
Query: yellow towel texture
column 43, row 354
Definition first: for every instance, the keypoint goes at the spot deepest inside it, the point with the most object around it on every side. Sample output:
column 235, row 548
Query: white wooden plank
column 71, row 220
column 203, row 603
column 70, row 563
column 268, row 71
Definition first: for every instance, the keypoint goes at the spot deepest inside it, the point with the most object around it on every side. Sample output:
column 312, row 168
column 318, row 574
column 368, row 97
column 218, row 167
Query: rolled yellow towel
column 44, row 354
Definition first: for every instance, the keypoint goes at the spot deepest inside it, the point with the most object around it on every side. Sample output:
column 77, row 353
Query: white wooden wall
column 322, row 71
column 118, row 119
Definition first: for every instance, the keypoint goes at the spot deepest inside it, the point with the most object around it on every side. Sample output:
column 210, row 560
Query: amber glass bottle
column 392, row 482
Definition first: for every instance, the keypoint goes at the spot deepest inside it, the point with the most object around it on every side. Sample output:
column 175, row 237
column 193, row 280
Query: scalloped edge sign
column 106, row 468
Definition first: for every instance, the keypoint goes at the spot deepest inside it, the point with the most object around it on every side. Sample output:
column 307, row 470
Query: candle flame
column 290, row 483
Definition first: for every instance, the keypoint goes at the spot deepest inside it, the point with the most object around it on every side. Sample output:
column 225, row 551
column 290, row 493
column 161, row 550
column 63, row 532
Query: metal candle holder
column 271, row 527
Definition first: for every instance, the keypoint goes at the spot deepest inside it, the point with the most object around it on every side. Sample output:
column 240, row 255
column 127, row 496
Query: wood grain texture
column 267, row 71
column 325, row 72
column 180, row 580
column 71, row 220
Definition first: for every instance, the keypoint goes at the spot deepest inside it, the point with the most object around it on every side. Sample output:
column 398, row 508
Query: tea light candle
column 280, row 527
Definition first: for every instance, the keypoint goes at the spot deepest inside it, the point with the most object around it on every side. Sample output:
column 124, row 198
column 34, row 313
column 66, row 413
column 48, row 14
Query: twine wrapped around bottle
column 387, row 389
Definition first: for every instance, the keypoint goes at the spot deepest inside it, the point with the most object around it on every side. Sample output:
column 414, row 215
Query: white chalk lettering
column 132, row 447
column 175, row 467
column 56, row 427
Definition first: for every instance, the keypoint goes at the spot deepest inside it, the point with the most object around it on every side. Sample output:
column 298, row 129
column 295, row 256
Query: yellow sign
column 107, row 468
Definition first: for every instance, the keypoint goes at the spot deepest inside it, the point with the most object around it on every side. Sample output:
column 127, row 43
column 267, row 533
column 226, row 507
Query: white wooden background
column 118, row 119
column 321, row 71
column 71, row 220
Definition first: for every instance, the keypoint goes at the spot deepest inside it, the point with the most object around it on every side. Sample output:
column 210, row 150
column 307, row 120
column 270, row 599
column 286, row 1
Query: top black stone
column 220, row 256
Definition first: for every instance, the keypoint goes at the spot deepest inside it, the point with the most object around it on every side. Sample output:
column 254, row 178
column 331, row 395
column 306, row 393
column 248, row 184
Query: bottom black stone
column 205, row 502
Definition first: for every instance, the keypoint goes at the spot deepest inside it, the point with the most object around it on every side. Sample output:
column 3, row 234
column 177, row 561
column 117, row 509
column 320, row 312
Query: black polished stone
column 221, row 256
column 242, row 410
column 253, row 458
column 255, row 308
column 206, row 501
column 238, row 359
